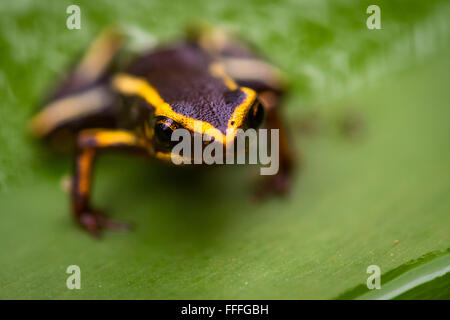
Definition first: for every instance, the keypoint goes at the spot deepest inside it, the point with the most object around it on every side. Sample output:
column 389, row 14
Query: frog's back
column 186, row 75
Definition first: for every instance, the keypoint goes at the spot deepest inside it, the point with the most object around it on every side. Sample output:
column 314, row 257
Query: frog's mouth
column 211, row 153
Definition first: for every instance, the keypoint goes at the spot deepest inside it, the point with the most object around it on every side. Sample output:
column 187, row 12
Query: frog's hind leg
column 90, row 142
column 60, row 120
column 241, row 61
column 84, row 98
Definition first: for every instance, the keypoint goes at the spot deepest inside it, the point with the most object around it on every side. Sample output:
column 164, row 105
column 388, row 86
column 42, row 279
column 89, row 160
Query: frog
column 208, row 79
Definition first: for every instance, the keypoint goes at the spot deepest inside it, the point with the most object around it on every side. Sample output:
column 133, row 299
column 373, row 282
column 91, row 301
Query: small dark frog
column 209, row 78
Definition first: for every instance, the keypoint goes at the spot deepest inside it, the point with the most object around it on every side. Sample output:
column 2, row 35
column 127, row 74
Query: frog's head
column 214, row 111
column 218, row 122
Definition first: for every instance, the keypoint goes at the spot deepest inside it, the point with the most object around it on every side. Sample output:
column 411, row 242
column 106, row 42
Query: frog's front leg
column 281, row 182
column 90, row 142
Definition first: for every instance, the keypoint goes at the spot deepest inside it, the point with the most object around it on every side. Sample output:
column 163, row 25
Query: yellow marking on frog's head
column 168, row 156
column 131, row 85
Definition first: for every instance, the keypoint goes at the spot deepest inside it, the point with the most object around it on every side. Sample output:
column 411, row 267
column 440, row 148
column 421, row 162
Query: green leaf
column 422, row 278
column 374, row 169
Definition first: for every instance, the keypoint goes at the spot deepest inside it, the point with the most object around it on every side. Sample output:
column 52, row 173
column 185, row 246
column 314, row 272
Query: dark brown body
column 106, row 103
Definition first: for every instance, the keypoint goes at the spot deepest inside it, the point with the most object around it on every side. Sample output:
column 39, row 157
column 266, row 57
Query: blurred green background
column 369, row 111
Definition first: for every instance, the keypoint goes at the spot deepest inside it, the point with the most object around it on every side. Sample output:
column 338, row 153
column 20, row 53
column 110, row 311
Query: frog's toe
column 95, row 221
column 112, row 224
column 89, row 221
column 276, row 185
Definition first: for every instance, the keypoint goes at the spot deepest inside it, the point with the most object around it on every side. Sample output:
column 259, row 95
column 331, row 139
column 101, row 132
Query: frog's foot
column 278, row 185
column 95, row 221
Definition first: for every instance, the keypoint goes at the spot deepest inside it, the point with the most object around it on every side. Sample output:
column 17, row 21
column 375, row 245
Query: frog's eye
column 255, row 115
column 164, row 127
